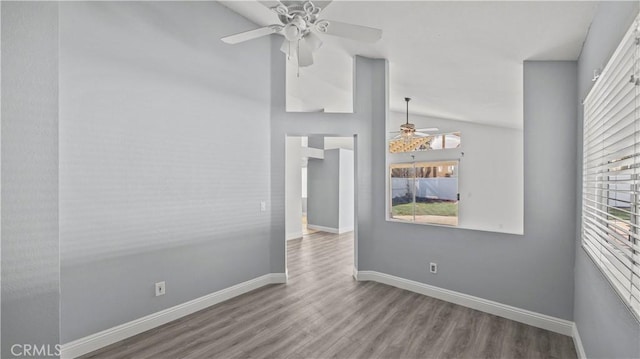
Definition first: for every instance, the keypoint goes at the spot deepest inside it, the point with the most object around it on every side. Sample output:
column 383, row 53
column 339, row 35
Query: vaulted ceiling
column 457, row 60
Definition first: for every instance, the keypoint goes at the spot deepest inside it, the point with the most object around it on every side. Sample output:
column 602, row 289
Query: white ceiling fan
column 300, row 26
column 409, row 131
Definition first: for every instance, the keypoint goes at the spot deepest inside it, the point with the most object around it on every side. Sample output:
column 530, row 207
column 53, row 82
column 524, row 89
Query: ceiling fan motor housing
column 307, row 12
column 405, row 127
column 295, row 29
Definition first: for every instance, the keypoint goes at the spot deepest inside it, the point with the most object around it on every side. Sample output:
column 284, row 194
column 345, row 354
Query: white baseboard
column 99, row 340
column 330, row 229
column 322, row 228
column 277, row 278
column 355, row 273
column 345, row 229
column 296, row 235
column 577, row 342
column 538, row 320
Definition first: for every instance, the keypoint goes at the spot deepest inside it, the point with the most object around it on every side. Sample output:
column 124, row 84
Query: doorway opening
column 320, row 196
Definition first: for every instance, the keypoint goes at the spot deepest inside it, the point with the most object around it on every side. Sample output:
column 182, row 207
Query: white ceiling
column 456, row 60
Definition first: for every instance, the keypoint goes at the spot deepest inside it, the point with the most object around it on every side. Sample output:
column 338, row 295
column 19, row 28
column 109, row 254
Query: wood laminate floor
column 324, row 313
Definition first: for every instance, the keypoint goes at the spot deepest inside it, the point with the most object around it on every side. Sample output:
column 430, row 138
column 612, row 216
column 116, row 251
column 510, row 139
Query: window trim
column 599, row 228
column 389, row 192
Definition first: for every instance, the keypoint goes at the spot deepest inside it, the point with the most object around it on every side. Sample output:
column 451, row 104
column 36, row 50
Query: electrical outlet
column 160, row 288
column 263, row 206
column 433, row 267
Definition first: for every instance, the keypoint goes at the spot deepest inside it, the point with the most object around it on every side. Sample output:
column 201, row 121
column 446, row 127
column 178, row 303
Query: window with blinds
column 611, row 171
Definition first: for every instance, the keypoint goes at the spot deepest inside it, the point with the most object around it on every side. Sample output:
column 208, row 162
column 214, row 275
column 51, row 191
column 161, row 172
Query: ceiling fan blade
column 305, row 54
column 249, row 35
column 420, row 134
column 355, row 32
column 432, row 129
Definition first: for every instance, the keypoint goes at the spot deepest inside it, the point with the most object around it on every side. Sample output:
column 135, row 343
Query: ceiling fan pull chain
column 298, row 52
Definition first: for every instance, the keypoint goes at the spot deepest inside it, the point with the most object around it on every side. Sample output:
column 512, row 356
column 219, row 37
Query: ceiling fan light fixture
column 291, row 32
column 407, row 131
column 304, row 53
column 313, row 41
column 285, row 47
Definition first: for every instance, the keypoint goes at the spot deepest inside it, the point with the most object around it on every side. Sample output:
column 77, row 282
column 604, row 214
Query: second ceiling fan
column 408, row 130
column 300, row 24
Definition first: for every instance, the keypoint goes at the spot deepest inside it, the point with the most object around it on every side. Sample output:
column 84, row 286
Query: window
column 425, row 192
column 442, row 141
column 611, row 171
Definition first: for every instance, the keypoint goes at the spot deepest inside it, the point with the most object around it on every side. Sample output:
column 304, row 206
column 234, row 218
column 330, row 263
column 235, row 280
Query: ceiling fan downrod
column 407, row 99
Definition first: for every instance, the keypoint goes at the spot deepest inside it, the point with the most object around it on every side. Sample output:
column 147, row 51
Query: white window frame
column 610, row 221
column 413, row 165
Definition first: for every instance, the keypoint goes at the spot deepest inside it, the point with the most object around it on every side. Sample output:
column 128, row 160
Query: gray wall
column 367, row 122
column 315, row 141
column 323, row 187
column 501, row 267
column 30, row 264
column 607, row 328
column 330, row 190
column 163, row 158
column 294, row 187
column 533, row 271
column 132, row 162
column 346, row 190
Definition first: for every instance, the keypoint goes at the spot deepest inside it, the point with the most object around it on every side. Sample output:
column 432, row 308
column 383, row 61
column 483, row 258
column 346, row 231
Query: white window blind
column 611, row 171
